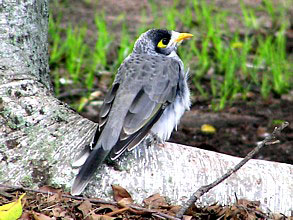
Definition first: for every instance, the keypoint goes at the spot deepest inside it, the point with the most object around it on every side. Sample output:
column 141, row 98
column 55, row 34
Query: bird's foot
column 154, row 139
column 113, row 163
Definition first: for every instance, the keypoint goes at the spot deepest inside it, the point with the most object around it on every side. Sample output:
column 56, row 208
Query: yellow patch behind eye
column 161, row 44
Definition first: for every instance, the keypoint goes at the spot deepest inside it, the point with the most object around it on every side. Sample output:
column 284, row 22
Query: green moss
column 27, row 181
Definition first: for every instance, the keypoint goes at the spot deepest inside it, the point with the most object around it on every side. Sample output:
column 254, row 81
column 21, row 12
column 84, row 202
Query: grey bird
column 149, row 95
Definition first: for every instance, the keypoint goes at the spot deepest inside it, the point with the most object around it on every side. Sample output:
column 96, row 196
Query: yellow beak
column 183, row 36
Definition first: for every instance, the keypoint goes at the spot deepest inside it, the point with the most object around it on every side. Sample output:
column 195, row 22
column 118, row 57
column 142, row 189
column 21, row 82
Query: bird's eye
column 163, row 43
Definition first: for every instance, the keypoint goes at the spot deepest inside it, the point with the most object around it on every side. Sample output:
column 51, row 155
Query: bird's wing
column 134, row 104
column 80, row 159
column 91, row 158
column 158, row 79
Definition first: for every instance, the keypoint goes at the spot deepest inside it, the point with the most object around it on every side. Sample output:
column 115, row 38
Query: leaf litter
column 45, row 206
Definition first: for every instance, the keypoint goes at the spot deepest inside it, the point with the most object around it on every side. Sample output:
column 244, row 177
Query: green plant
column 224, row 64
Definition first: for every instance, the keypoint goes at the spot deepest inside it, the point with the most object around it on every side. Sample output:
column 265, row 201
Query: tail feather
column 80, row 159
column 94, row 160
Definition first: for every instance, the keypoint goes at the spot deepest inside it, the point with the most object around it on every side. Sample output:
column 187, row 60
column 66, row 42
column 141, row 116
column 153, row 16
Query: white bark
column 177, row 171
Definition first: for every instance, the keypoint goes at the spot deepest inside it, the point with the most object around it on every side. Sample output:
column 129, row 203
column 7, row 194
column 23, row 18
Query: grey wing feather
column 148, row 103
column 91, row 159
column 108, row 101
column 134, row 104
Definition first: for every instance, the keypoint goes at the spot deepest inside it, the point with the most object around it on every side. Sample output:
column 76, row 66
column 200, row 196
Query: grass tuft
column 225, row 64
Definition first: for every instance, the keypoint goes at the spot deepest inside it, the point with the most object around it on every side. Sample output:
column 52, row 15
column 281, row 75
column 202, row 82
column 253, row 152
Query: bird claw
column 154, row 139
column 114, row 164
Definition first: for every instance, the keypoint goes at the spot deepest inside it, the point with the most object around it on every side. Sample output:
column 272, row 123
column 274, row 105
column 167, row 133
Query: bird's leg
column 113, row 163
column 154, row 139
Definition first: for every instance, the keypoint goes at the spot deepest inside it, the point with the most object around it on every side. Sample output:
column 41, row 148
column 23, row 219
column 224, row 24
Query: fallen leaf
column 262, row 132
column 58, row 212
column 125, row 202
column 174, row 209
column 40, row 216
column 54, row 198
column 85, row 207
column 206, row 128
column 11, row 211
column 104, row 208
column 57, row 193
column 25, row 216
column 216, row 208
column 49, row 189
column 120, row 193
column 119, row 211
column 248, row 204
column 102, row 217
column 187, row 217
column 155, row 201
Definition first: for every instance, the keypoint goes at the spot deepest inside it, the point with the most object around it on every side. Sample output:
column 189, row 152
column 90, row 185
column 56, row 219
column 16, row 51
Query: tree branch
column 204, row 189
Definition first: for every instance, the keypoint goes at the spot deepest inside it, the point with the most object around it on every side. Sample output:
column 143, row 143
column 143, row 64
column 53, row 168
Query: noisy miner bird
column 149, row 95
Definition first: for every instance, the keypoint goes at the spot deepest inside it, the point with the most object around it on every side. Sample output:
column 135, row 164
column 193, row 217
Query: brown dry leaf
column 248, row 204
column 277, row 216
column 125, row 202
column 224, row 211
column 102, row 217
column 49, row 189
column 25, row 216
column 40, row 216
column 58, row 212
column 250, row 216
column 120, row 193
column 234, row 211
column 53, row 197
column 186, row 217
column 119, row 211
column 155, row 201
column 174, row 209
column 261, row 132
column 106, row 208
column 138, row 212
column 216, row 208
column 85, row 207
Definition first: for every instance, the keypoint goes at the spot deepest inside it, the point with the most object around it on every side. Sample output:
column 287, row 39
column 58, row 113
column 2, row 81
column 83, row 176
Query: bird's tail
column 94, row 160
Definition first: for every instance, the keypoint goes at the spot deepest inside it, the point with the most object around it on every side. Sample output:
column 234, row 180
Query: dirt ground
column 239, row 127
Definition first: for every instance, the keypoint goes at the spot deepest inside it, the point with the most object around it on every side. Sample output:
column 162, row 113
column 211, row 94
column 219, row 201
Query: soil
column 239, row 127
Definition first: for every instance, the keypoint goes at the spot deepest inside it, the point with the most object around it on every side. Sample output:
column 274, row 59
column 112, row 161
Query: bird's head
column 159, row 41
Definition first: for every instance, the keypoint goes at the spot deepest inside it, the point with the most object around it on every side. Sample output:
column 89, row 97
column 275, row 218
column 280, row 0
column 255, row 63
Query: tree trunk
column 37, row 131
column 40, row 135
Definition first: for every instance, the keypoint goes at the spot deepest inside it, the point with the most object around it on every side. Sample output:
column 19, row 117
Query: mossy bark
column 37, row 131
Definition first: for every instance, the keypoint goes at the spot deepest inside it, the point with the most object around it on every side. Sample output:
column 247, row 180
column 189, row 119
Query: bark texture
column 37, row 131
column 40, row 135
column 177, row 171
